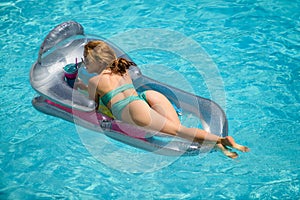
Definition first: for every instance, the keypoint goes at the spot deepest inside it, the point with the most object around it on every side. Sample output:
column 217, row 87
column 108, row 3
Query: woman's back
column 107, row 82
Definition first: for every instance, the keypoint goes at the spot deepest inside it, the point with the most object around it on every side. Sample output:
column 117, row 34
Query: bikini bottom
column 118, row 107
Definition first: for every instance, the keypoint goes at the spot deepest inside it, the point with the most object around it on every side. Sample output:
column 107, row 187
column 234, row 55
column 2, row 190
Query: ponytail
column 120, row 65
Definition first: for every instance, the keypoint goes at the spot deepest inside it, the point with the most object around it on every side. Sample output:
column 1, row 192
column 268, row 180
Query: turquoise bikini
column 118, row 107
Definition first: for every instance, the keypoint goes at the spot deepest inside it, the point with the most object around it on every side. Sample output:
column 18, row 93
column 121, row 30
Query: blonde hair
column 100, row 52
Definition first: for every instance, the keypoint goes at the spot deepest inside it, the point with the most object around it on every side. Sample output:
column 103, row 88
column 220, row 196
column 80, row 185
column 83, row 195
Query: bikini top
column 108, row 96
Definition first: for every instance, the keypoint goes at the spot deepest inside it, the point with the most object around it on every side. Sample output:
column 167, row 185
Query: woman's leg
column 139, row 113
column 162, row 105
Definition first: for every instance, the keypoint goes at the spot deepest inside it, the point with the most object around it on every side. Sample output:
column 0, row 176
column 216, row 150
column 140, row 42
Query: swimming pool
column 255, row 46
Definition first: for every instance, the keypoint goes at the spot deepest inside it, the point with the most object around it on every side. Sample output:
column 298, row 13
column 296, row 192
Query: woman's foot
column 229, row 141
column 226, row 152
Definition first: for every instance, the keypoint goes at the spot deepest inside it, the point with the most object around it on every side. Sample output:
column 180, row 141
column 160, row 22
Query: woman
column 113, row 86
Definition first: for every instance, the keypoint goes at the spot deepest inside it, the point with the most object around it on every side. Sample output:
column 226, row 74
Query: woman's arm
column 92, row 90
column 80, row 85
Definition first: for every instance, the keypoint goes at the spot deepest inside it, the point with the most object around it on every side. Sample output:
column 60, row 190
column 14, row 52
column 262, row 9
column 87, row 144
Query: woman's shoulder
column 96, row 80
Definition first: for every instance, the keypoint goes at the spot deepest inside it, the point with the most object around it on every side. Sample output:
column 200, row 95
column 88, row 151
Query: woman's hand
column 80, row 85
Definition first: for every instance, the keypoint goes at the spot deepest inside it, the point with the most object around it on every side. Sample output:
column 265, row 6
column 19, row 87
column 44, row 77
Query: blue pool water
column 255, row 46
